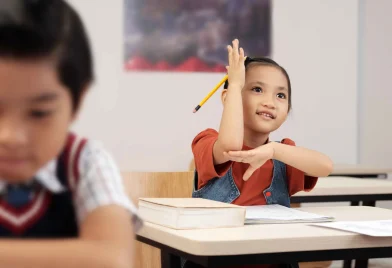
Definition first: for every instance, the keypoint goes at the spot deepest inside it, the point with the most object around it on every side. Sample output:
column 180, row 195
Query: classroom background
column 336, row 52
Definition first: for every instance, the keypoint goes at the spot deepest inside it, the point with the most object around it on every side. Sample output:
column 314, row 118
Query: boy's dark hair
column 267, row 62
column 34, row 29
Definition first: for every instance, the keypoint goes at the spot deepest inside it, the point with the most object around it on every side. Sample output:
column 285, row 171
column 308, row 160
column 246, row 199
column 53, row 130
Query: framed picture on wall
column 192, row 35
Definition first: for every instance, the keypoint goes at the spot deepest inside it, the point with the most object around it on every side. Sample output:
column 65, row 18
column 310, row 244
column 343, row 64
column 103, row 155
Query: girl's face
column 265, row 99
column 35, row 115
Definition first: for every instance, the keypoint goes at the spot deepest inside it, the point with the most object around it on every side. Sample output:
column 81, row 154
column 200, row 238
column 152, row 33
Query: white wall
column 146, row 120
column 376, row 83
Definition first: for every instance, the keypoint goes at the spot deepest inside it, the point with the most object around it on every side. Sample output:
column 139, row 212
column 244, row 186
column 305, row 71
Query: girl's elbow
column 328, row 167
column 230, row 146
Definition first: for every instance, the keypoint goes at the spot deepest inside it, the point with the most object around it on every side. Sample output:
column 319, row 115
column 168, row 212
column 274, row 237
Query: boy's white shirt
column 100, row 182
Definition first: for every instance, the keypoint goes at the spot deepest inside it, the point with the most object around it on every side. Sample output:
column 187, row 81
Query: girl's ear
column 223, row 96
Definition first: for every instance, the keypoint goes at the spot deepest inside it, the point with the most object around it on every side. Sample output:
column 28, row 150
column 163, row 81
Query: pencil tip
column 197, row 108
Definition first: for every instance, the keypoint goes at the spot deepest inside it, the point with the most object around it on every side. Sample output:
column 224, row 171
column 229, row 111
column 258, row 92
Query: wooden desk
column 360, row 171
column 347, row 189
column 357, row 191
column 271, row 243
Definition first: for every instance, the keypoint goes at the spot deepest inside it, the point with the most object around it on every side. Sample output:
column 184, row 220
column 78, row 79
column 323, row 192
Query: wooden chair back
column 155, row 184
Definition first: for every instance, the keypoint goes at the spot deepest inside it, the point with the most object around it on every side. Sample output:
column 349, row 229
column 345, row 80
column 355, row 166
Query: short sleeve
column 297, row 179
column 202, row 148
column 100, row 183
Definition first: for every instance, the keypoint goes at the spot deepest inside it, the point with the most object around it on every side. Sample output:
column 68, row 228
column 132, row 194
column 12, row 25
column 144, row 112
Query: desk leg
column 347, row 264
column 364, row 263
column 169, row 260
column 361, row 263
column 369, row 203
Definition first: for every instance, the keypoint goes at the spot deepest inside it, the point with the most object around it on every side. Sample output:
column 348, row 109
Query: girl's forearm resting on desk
column 311, row 162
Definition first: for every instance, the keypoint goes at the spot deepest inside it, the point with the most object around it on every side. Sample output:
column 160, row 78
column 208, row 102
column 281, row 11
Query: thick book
column 191, row 213
column 281, row 214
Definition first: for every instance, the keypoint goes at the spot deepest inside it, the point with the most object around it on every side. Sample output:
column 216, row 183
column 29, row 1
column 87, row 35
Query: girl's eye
column 257, row 89
column 281, row 95
column 40, row 114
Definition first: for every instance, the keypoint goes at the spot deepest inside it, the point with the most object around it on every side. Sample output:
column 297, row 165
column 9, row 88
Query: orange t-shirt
column 252, row 189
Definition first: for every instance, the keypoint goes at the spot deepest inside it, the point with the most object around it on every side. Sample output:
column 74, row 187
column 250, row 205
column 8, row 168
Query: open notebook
column 280, row 214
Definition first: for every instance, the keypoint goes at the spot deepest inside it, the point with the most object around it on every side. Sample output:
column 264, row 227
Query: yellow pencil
column 221, row 82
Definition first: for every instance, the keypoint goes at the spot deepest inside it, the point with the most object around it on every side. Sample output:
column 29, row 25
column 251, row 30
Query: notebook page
column 278, row 212
column 371, row 228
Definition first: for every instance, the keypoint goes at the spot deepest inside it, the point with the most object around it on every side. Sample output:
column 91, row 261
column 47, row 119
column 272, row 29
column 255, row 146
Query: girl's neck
column 254, row 139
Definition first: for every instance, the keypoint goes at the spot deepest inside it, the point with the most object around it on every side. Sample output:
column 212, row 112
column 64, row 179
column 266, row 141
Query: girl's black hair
column 268, row 62
column 34, row 29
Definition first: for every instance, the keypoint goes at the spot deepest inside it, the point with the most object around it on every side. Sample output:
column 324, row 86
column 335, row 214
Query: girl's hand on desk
column 255, row 158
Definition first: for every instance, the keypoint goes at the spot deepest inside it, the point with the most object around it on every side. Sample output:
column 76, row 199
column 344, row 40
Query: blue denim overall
column 224, row 189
